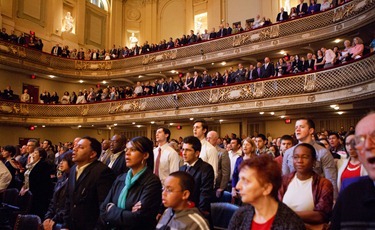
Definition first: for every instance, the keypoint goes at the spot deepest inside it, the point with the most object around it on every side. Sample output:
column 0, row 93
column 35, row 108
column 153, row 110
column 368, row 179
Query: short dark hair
column 334, row 134
column 309, row 121
column 194, row 141
column 34, row 141
column 144, row 145
column 239, row 142
column 309, row 147
column 186, row 181
column 204, row 124
column 94, row 144
column 166, row 131
column 346, row 137
column 42, row 152
column 268, row 171
column 11, row 149
column 262, row 136
column 49, row 142
column 286, row 138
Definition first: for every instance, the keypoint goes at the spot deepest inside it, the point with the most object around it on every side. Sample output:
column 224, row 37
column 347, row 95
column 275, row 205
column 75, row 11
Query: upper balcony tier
column 345, row 83
column 311, row 28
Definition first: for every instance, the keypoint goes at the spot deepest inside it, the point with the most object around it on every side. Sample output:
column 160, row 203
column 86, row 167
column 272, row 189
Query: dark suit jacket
column 285, row 16
column 223, row 169
column 85, row 195
column 59, row 51
column 267, row 72
column 41, row 187
column 146, row 189
column 304, row 8
column 119, row 166
column 239, row 75
column 197, row 83
column 252, row 74
column 222, row 32
column 56, row 207
column 203, row 174
column 311, row 66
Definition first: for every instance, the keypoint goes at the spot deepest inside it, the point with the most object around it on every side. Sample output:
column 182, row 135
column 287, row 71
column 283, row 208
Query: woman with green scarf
column 135, row 196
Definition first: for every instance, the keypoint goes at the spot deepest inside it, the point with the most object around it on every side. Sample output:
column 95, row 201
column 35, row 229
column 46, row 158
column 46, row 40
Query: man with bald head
column 223, row 170
column 116, row 160
column 282, row 16
column 355, row 207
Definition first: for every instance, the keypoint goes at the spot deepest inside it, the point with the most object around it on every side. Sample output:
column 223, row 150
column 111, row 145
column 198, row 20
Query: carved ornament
column 152, row 58
column 88, row 65
column 310, row 83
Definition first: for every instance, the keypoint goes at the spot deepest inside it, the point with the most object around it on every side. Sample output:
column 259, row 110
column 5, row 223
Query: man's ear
column 197, row 153
column 185, row 195
column 93, row 155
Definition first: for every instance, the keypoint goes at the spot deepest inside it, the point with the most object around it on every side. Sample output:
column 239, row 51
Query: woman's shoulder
column 287, row 219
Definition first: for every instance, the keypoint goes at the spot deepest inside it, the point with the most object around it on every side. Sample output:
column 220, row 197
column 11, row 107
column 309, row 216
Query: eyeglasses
column 361, row 139
column 169, row 190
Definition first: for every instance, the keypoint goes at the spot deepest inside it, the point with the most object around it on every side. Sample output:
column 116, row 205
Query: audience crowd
column 288, row 182
column 286, row 65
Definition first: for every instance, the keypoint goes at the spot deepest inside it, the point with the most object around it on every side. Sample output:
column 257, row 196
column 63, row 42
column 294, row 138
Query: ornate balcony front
column 349, row 82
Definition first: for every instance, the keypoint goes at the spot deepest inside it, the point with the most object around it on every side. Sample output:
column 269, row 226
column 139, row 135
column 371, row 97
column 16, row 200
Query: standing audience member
column 282, row 16
column 260, row 180
column 106, row 151
column 116, row 161
column 286, row 142
column 5, row 177
column 355, row 207
column 25, row 97
column 358, row 48
column 135, row 196
column 88, row 185
column 12, row 165
column 309, row 195
column 38, row 182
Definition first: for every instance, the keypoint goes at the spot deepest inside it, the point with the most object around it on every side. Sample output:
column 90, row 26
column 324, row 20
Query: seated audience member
column 25, row 97
column 202, row 172
column 350, row 167
column 325, row 5
column 282, row 16
column 54, row 215
column 354, row 208
column 313, row 8
column 5, row 177
column 180, row 214
column 38, row 181
column 248, row 152
column 309, row 195
column 357, row 49
column 135, row 196
column 260, row 180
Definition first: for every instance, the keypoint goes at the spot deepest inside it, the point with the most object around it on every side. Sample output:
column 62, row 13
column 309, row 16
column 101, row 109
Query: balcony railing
column 309, row 28
column 350, row 81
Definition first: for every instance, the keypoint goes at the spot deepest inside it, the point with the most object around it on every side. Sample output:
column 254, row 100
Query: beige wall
column 279, row 128
column 9, row 135
column 16, row 81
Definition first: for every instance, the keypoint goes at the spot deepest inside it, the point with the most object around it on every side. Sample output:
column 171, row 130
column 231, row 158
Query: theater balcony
column 353, row 81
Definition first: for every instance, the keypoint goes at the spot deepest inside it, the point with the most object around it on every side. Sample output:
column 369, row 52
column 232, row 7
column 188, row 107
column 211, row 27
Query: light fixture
column 51, row 76
column 340, row 112
column 115, row 124
column 138, row 126
column 104, row 82
column 282, row 116
column 152, row 122
column 140, row 76
column 170, row 123
column 337, row 40
column 272, row 113
column 79, row 126
column 80, row 81
column 223, row 63
column 191, row 118
column 43, row 126
column 221, row 120
column 212, row 63
column 282, row 52
column 337, row 108
column 133, row 123
column 173, row 71
column 333, row 106
column 92, row 125
column 261, row 113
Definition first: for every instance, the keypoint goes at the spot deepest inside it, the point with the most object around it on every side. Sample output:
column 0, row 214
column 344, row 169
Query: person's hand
column 48, row 224
column 219, row 192
column 158, row 216
column 137, row 206
column 23, row 191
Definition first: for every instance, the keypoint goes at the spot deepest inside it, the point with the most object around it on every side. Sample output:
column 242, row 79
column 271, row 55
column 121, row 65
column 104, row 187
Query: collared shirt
column 79, row 170
column 209, row 154
column 325, row 165
column 113, row 158
column 169, row 161
column 233, row 158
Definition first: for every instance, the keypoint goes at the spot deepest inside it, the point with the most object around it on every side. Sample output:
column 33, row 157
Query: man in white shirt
column 208, row 152
column 166, row 159
column 234, row 153
column 329, row 57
